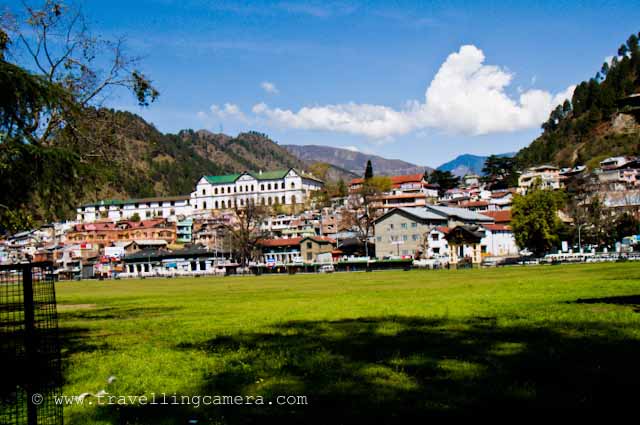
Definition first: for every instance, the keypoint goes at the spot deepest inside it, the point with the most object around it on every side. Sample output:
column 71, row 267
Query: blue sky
column 354, row 73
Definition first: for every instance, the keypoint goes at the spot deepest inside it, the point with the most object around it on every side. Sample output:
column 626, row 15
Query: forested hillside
column 599, row 120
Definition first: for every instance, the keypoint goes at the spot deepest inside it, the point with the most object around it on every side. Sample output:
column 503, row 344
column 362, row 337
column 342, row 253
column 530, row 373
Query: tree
column 368, row 172
column 244, row 231
column 135, row 217
column 500, row 172
column 364, row 208
column 444, row 179
column 50, row 106
column 535, row 219
column 626, row 225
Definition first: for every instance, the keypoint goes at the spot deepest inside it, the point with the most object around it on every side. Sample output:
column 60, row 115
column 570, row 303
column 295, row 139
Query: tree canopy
column 535, row 221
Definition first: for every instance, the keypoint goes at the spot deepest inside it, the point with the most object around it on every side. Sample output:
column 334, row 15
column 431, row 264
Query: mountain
column 602, row 118
column 467, row 164
column 145, row 162
column 354, row 161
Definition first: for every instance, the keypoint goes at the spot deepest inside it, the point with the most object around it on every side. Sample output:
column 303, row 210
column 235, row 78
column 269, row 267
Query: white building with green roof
column 280, row 187
column 169, row 207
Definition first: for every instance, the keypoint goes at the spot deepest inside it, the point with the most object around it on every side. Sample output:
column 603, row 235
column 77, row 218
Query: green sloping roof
column 228, row 178
column 270, row 175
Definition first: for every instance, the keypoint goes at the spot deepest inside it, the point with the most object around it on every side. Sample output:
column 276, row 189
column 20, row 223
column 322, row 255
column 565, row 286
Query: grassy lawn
column 363, row 347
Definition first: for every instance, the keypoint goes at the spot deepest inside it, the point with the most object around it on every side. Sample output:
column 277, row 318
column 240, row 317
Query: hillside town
column 410, row 222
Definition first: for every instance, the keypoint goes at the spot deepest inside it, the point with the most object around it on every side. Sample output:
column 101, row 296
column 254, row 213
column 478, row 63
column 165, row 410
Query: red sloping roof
column 321, row 239
column 474, row 204
column 502, row 193
column 496, row 227
column 500, row 216
column 396, row 180
column 280, row 242
column 443, row 229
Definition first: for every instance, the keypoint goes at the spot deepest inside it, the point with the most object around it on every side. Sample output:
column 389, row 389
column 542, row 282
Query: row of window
column 404, row 225
column 147, row 205
column 241, row 202
column 247, row 188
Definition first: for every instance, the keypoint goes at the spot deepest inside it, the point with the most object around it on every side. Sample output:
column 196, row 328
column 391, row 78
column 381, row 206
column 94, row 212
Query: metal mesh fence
column 30, row 369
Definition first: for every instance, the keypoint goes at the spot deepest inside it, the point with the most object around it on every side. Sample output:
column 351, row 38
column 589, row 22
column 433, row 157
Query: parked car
column 327, row 268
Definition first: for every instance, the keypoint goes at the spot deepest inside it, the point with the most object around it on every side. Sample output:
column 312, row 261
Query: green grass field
column 363, row 347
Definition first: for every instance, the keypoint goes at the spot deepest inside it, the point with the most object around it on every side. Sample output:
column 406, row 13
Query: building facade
column 406, row 231
column 145, row 208
column 283, row 187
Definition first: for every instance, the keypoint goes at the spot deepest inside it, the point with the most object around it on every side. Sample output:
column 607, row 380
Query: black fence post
column 29, row 342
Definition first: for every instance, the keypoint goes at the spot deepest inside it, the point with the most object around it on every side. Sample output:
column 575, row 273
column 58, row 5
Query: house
column 404, row 184
column 498, row 241
column 104, row 234
column 295, row 250
column 405, row 231
column 615, row 162
column 501, row 199
column 499, row 216
column 547, row 175
column 279, row 187
column 313, row 246
column 387, row 202
column 184, row 230
column 478, row 206
column 144, row 208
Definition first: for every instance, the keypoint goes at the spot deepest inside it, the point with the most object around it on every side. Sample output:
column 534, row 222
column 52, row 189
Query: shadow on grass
column 627, row 300
column 397, row 369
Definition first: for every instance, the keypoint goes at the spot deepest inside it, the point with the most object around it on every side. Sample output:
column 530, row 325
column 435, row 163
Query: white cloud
column 226, row 112
column 352, row 148
column 466, row 96
column 269, row 87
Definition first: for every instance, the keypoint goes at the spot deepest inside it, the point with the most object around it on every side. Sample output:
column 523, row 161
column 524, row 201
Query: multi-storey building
column 145, row 208
column 282, row 187
column 104, row 234
column 547, row 175
column 403, row 231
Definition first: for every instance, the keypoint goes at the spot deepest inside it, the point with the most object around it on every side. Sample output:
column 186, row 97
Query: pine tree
column 368, row 173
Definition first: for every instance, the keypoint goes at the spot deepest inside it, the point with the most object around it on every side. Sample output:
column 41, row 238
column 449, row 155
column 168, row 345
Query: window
column 235, row 189
column 252, row 188
column 172, row 211
column 216, row 205
column 415, row 237
column 293, row 185
column 405, row 237
column 282, row 187
column 261, row 201
column 261, row 187
column 204, row 205
column 242, row 202
column 293, row 199
column 435, row 236
column 223, row 205
column 414, row 225
column 309, row 256
column 149, row 213
column 284, row 200
column 270, row 200
column 269, row 186
column 391, row 226
column 379, row 238
column 436, row 250
column 240, row 188
column 309, row 245
column 403, row 225
column 203, row 192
